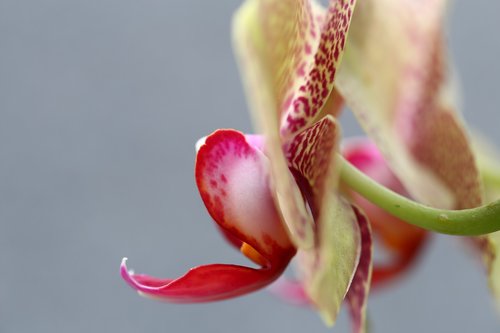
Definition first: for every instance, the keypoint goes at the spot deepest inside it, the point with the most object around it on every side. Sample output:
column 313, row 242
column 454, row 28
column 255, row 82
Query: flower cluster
column 288, row 192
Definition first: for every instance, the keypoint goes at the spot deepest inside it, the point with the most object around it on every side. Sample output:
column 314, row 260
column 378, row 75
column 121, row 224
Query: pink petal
column 257, row 141
column 202, row 284
column 291, row 291
column 233, row 180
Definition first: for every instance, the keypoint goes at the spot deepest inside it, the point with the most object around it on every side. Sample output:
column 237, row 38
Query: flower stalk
column 467, row 222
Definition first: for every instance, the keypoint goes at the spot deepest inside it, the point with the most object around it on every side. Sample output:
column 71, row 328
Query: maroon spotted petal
column 311, row 96
column 357, row 296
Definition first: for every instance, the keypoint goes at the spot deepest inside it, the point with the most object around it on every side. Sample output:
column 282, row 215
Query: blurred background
column 101, row 103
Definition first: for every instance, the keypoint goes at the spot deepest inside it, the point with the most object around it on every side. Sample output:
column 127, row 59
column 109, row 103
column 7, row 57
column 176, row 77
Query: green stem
column 468, row 222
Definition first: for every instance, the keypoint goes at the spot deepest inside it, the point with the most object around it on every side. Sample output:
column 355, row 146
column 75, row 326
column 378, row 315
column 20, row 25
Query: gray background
column 101, row 102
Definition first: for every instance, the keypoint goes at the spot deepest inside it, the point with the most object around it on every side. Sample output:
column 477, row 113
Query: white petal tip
column 200, row 143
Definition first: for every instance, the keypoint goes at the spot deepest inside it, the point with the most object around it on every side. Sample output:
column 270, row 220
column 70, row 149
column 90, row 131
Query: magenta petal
column 256, row 141
column 233, row 179
column 202, row 284
column 291, row 291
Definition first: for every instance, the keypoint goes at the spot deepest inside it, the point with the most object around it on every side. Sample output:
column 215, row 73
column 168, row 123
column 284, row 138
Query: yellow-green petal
column 272, row 40
column 328, row 268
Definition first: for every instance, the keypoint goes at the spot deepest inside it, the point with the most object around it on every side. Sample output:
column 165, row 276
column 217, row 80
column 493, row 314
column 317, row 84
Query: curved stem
column 467, row 222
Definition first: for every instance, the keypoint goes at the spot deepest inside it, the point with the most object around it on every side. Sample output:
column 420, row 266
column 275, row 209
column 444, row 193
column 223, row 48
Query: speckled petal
column 307, row 102
column 395, row 79
column 311, row 156
column 278, row 38
column 328, row 268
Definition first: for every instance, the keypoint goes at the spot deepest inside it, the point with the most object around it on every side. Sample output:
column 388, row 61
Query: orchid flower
column 288, row 53
column 278, row 194
column 232, row 177
column 274, row 194
column 400, row 89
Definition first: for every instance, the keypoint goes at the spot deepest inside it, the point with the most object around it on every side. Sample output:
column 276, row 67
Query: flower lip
column 233, row 181
column 232, row 176
column 203, row 283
